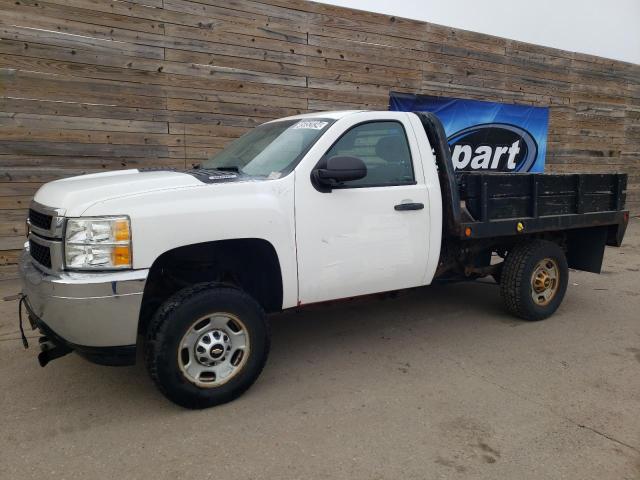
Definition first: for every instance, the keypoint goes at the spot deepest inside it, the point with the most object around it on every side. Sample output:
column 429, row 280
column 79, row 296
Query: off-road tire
column 175, row 316
column 516, row 274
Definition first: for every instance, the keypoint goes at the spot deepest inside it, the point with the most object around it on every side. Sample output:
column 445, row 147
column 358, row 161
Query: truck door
column 368, row 235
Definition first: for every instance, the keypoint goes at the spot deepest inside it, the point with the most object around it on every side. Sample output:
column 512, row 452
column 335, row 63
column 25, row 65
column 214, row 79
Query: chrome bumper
column 85, row 309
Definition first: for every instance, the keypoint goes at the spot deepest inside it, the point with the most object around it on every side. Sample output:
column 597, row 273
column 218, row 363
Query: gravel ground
column 436, row 383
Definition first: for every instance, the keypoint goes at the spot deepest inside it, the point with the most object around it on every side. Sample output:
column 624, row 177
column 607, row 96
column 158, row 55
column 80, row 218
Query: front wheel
column 534, row 279
column 206, row 345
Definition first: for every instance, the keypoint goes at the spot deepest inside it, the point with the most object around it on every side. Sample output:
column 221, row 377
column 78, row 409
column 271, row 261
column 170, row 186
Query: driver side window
column 383, row 148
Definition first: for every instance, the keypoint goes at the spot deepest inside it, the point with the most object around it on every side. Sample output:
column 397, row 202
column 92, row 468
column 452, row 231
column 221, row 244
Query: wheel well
column 584, row 248
column 250, row 264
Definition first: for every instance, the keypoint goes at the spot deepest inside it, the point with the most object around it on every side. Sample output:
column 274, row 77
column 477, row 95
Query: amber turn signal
column 121, row 230
column 121, row 255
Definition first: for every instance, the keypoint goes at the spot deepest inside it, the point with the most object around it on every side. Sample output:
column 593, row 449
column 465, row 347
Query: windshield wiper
column 230, row 168
column 198, row 166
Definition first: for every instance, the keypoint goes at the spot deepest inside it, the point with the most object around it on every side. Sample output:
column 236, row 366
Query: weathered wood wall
column 91, row 85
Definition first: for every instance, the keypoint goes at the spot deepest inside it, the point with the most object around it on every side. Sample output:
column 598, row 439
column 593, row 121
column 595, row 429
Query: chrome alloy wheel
column 545, row 281
column 214, row 349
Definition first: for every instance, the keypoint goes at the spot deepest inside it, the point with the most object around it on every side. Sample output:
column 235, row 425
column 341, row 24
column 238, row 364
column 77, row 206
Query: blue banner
column 486, row 136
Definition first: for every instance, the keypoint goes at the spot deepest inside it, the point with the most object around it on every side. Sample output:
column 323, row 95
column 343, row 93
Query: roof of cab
column 334, row 115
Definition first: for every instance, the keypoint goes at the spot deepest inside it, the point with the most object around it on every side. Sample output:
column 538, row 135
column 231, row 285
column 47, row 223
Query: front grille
column 40, row 253
column 40, row 220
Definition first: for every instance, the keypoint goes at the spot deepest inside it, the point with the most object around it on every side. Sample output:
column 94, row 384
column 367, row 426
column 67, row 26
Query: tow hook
column 50, row 351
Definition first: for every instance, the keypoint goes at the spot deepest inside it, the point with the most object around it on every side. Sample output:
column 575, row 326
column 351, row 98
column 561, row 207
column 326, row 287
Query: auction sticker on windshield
column 310, row 124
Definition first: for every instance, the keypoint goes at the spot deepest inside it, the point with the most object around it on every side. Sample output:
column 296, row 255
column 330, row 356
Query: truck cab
column 300, row 210
column 373, row 234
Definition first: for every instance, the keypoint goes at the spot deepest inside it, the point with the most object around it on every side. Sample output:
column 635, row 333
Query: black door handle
column 409, row 206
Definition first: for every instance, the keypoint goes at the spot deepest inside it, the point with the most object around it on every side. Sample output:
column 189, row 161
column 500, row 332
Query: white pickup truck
column 306, row 209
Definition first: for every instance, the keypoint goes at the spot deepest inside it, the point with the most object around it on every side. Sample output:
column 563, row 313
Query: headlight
column 97, row 243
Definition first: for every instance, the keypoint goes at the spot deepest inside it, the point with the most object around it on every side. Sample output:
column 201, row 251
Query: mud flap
column 585, row 248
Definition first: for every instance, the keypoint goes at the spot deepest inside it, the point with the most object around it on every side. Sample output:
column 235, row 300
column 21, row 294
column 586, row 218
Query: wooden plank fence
column 94, row 85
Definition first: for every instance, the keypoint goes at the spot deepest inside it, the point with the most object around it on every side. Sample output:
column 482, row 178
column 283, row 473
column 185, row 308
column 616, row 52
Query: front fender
column 163, row 221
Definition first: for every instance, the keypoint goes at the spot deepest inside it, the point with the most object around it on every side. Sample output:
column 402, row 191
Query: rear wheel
column 534, row 279
column 206, row 345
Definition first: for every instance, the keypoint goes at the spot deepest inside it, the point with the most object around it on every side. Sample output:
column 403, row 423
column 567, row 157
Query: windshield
column 270, row 150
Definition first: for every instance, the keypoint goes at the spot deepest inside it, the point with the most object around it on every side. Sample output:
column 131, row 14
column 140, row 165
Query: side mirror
column 337, row 170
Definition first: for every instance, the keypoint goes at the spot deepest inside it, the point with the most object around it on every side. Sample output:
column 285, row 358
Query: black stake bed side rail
column 519, row 226
column 501, row 204
column 478, row 205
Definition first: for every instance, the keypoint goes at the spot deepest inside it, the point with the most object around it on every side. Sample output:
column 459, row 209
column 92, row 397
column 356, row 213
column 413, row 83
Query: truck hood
column 76, row 194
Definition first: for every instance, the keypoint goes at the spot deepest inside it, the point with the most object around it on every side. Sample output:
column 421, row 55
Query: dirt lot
column 437, row 383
